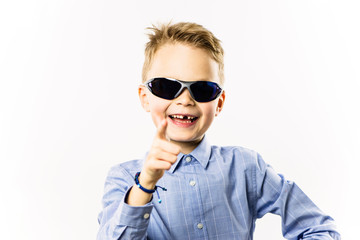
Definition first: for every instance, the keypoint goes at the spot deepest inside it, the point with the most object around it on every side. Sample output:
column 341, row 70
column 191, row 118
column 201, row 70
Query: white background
column 69, row 108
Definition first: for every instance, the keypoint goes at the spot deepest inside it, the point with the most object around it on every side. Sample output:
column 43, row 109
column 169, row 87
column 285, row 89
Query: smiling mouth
column 183, row 118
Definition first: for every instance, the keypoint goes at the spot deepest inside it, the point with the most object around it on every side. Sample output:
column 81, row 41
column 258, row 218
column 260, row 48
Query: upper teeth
column 182, row 117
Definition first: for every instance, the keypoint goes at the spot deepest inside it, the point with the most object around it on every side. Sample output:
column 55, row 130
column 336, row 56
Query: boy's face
column 186, row 63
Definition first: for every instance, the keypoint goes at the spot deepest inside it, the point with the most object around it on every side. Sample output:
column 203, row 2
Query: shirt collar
column 201, row 153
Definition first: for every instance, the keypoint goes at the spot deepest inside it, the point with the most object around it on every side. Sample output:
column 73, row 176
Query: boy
column 212, row 192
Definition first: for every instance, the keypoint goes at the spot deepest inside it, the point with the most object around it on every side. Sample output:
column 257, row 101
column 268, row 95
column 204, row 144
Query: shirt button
column 146, row 216
column 188, row 159
column 200, row 226
column 192, row 183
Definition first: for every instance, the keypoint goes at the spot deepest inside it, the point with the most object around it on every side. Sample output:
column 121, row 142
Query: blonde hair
column 187, row 33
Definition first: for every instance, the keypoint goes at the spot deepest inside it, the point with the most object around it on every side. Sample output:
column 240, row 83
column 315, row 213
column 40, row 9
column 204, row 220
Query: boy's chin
column 185, row 139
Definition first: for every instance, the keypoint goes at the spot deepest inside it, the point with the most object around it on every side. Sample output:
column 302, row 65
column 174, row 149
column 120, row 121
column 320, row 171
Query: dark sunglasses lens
column 205, row 91
column 164, row 88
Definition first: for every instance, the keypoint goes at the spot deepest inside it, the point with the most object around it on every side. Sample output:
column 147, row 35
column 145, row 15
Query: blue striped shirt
column 212, row 193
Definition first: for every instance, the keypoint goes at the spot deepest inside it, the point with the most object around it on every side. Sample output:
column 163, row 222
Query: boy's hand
column 160, row 157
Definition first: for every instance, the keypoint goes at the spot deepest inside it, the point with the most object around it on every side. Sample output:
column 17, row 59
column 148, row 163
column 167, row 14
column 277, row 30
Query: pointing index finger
column 161, row 131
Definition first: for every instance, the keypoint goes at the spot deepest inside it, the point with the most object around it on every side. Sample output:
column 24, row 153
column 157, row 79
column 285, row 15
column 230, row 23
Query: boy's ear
column 220, row 103
column 143, row 98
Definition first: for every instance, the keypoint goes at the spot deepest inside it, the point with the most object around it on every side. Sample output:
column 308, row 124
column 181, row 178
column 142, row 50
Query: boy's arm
column 301, row 218
column 127, row 208
column 160, row 158
column 119, row 220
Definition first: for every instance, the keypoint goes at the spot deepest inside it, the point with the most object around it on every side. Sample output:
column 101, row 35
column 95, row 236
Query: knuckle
column 167, row 166
column 176, row 150
column 155, row 151
column 174, row 158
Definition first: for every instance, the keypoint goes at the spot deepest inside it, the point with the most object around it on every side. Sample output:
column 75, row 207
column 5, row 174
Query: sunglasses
column 167, row 88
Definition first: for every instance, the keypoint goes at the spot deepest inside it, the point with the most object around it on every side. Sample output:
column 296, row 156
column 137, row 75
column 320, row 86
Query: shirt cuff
column 133, row 216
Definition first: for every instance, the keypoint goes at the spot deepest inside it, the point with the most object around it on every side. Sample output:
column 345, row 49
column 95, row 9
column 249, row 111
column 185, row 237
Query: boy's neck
column 187, row 147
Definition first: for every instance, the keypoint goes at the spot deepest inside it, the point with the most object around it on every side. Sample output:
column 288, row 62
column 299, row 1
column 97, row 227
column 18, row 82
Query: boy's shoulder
column 246, row 157
column 235, row 150
column 228, row 150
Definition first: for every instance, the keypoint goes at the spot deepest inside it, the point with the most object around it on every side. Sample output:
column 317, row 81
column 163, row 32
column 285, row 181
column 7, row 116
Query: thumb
column 161, row 130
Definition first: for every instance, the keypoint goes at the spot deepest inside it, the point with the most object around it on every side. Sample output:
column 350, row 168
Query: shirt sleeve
column 119, row 220
column 301, row 218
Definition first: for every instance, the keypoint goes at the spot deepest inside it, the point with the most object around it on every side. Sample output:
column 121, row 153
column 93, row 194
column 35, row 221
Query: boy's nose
column 185, row 98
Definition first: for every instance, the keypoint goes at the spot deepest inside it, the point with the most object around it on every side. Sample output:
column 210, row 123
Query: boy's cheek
column 209, row 109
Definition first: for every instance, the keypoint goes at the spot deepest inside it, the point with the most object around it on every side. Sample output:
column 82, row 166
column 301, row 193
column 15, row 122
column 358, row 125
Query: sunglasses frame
column 184, row 84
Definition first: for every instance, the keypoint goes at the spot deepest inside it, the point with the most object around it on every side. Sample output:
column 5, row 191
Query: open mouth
column 183, row 118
